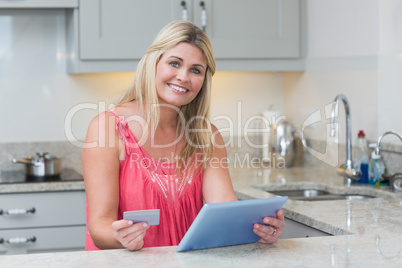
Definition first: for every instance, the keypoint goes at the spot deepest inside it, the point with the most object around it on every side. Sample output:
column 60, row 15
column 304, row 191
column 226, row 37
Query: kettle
column 284, row 145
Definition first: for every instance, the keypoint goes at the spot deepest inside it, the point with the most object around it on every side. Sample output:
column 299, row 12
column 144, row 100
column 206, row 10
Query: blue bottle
column 362, row 163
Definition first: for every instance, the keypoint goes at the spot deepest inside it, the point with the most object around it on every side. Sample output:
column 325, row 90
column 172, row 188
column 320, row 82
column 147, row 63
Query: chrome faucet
column 377, row 149
column 346, row 170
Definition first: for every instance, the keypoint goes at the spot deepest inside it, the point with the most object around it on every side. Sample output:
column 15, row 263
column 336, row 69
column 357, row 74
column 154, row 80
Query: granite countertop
column 367, row 233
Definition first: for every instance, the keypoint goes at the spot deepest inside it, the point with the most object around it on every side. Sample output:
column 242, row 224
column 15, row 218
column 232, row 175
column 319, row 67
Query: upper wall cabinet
column 38, row 3
column 123, row 30
column 251, row 29
column 110, row 36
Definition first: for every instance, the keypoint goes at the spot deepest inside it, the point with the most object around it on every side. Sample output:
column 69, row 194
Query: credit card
column 151, row 216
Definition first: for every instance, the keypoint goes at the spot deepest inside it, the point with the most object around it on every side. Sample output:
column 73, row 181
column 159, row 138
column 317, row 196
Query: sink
column 301, row 193
column 318, row 195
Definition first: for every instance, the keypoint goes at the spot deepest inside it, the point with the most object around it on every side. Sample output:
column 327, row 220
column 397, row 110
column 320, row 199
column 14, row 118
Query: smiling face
column 180, row 74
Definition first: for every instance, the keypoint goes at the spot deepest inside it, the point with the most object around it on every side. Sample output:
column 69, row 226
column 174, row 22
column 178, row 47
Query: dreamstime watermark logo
column 256, row 125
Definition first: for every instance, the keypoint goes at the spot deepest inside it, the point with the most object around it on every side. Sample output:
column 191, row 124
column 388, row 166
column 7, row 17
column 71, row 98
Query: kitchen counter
column 366, row 232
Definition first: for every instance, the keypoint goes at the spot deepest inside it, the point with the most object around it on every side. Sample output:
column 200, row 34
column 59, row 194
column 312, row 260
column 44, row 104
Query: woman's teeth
column 178, row 88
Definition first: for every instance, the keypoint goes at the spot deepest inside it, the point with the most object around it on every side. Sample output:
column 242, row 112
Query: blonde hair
column 196, row 113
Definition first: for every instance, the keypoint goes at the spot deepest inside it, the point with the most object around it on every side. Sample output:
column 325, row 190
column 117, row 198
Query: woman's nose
column 182, row 75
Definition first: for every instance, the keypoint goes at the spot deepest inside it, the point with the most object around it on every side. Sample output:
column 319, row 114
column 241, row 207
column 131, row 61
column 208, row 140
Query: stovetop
column 18, row 176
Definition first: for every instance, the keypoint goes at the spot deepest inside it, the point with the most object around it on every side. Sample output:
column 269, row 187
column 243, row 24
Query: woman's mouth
column 177, row 88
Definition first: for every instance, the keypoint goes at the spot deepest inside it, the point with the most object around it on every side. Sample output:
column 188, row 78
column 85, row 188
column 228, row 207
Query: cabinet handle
column 184, row 12
column 203, row 16
column 17, row 211
column 18, row 240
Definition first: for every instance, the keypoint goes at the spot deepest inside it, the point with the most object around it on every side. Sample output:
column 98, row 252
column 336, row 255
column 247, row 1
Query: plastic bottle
column 377, row 168
column 362, row 163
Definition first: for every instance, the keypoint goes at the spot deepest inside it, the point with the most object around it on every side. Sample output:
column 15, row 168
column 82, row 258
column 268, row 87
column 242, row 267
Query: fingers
column 271, row 232
column 130, row 235
column 280, row 216
column 117, row 225
column 268, row 234
column 278, row 222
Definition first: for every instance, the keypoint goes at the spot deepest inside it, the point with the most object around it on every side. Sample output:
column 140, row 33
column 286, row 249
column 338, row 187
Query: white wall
column 37, row 96
column 390, row 67
column 342, row 28
column 238, row 99
column 354, row 48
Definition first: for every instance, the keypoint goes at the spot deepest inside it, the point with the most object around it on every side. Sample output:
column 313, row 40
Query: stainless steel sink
column 317, row 195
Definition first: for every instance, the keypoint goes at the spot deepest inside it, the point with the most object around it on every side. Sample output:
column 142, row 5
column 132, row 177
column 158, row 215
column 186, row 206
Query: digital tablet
column 229, row 223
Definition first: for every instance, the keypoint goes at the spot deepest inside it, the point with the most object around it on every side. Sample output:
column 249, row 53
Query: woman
column 155, row 149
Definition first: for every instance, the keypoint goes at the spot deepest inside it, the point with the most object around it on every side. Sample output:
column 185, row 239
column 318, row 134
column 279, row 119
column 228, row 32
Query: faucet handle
column 350, row 173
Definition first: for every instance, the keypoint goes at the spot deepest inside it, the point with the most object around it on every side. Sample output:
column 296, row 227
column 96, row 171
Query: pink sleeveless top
column 146, row 183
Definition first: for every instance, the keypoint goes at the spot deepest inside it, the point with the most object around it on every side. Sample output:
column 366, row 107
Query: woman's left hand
column 271, row 233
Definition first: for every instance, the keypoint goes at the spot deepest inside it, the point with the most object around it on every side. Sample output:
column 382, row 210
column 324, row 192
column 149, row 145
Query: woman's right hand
column 129, row 235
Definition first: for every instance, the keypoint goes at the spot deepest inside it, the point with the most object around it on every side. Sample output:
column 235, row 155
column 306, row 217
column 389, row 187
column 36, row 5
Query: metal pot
column 42, row 165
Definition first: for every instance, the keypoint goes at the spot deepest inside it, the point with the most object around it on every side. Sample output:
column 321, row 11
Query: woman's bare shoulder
column 108, row 119
column 133, row 114
column 128, row 109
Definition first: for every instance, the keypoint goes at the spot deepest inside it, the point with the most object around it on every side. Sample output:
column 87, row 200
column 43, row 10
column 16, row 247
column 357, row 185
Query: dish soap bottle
column 362, row 163
column 377, row 169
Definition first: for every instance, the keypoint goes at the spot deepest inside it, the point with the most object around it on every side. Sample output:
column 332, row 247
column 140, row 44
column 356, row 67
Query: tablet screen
column 229, row 223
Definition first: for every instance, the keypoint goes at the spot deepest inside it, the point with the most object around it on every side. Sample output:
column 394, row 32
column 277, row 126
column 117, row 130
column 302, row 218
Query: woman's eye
column 174, row 64
column 196, row 71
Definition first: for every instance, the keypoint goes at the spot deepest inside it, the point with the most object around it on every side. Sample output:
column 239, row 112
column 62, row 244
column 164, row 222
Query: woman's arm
column 100, row 163
column 217, row 187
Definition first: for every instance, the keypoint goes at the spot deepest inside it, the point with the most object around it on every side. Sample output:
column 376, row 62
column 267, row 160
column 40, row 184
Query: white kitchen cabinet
column 245, row 34
column 42, row 222
column 38, row 3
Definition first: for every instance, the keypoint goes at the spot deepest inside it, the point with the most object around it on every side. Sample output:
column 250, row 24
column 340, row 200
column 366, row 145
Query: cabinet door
column 39, row 240
column 120, row 30
column 252, row 29
column 44, row 209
